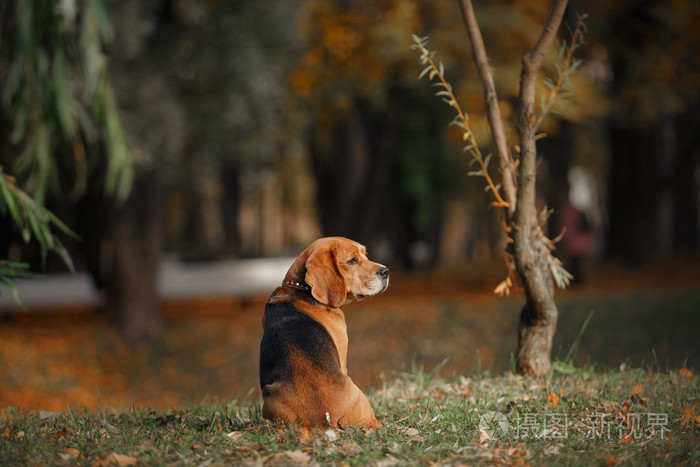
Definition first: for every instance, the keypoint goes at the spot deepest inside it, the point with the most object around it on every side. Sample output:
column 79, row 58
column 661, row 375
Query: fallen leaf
column 234, row 435
column 123, row 461
column 552, row 399
column 690, row 417
column 352, row 447
column 410, row 432
column 686, row 373
column 611, row 461
column 63, row 434
column 627, row 439
column 70, row 453
column 304, row 434
column 638, row 389
column 299, row 457
column 115, row 459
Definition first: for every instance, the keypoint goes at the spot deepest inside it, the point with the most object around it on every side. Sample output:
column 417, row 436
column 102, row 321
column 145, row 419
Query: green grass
column 426, row 419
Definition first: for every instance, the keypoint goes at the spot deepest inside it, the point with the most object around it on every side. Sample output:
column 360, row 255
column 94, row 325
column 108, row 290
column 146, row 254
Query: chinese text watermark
column 609, row 426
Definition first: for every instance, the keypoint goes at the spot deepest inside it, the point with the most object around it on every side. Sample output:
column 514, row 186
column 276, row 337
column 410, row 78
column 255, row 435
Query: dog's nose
column 383, row 272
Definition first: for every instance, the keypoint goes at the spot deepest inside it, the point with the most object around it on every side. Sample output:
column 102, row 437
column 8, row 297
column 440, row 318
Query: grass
column 575, row 416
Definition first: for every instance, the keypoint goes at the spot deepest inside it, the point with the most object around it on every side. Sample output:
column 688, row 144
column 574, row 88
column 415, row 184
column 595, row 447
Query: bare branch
column 493, row 113
column 526, row 117
column 533, row 59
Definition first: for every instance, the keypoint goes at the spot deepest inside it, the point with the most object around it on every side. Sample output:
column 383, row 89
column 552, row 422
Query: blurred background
column 195, row 147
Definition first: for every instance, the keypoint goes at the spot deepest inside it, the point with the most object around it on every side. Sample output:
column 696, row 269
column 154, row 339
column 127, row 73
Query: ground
column 448, row 319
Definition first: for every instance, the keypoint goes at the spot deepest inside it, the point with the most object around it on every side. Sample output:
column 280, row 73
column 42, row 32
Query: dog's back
column 298, row 362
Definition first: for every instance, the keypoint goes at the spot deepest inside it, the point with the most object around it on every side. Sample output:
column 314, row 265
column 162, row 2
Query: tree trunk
column 539, row 315
column 530, row 247
column 538, row 318
column 137, row 239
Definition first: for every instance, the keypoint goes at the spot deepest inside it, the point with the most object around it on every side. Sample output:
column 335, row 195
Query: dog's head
column 338, row 271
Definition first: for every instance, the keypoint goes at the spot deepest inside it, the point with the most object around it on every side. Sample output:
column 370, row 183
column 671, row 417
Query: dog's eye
column 352, row 261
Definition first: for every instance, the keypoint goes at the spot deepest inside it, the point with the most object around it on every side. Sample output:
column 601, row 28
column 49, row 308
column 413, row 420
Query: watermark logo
column 622, row 427
column 494, row 424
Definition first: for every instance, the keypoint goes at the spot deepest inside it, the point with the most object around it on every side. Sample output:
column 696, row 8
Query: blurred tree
column 203, row 101
column 357, row 88
column 382, row 171
column 653, row 49
column 232, row 59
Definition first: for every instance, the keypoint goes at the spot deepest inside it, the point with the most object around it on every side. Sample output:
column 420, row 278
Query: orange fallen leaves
column 552, row 399
column 686, row 373
column 118, row 460
column 70, row 453
column 690, row 417
column 627, row 439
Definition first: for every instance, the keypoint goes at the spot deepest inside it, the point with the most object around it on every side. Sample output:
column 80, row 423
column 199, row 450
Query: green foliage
column 13, row 270
column 32, row 219
column 59, row 96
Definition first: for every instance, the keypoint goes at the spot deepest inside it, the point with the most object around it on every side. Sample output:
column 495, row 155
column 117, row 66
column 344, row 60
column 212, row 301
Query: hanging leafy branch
column 51, row 109
column 433, row 70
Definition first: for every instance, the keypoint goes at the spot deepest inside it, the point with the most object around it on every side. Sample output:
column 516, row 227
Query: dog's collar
column 297, row 285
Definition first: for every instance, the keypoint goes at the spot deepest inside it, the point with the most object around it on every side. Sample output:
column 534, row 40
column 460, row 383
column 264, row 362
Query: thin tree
column 530, row 260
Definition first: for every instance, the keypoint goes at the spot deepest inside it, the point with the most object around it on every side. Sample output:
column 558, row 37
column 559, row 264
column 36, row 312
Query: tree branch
column 526, row 214
column 505, row 161
column 533, row 59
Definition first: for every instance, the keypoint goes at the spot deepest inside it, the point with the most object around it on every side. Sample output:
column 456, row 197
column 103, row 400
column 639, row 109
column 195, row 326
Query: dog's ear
column 325, row 279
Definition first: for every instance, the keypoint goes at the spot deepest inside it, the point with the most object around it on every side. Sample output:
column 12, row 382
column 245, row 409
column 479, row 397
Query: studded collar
column 297, row 285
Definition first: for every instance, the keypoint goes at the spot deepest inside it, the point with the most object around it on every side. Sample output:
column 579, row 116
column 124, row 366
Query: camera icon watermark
column 494, row 424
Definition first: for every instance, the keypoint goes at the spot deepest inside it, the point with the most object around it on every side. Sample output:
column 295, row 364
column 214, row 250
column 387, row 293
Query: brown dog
column 303, row 353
